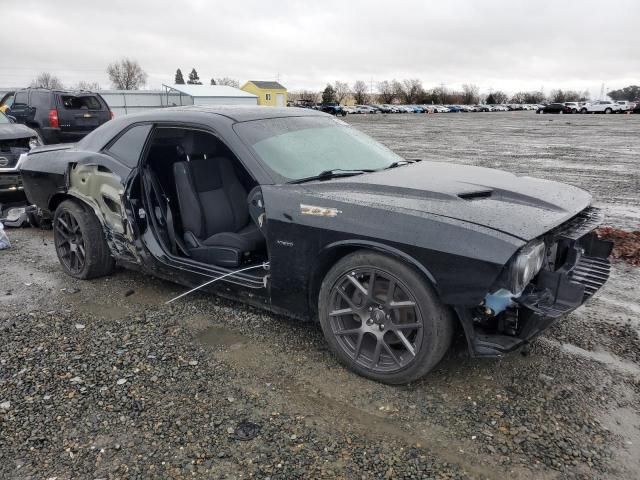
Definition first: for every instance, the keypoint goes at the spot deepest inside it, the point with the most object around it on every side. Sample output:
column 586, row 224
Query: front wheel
column 382, row 319
column 80, row 242
column 608, row 111
column 584, row 110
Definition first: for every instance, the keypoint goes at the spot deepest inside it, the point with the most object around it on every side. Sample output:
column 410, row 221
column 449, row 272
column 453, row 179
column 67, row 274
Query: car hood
column 10, row 131
column 523, row 207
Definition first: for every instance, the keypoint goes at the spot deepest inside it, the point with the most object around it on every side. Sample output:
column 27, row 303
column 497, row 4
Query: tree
column 84, row 85
column 328, row 95
column 491, row 100
column 386, row 92
column 499, row 97
column 194, row 79
column 179, row 80
column 304, row 96
column 411, row 90
column 630, row 93
column 47, row 80
column 126, row 74
column 470, row 94
column 360, row 92
column 342, row 91
column 213, row 81
column 230, row 82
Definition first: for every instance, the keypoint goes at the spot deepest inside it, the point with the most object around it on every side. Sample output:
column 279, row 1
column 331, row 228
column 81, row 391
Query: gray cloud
column 499, row 44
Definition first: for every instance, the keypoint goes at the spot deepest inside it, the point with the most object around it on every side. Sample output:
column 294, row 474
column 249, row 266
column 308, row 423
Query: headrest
column 198, row 143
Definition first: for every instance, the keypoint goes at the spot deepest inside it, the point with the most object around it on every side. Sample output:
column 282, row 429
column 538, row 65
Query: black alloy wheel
column 382, row 319
column 70, row 243
column 376, row 320
column 80, row 241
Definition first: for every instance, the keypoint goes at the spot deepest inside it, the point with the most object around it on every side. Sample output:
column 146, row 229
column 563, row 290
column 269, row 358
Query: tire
column 561, row 112
column 574, row 110
column 608, row 111
column 391, row 341
column 584, row 110
column 80, row 242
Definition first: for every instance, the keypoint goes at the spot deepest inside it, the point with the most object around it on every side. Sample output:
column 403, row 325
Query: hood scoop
column 475, row 195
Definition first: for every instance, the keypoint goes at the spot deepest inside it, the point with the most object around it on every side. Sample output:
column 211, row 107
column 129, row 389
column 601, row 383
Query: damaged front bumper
column 579, row 267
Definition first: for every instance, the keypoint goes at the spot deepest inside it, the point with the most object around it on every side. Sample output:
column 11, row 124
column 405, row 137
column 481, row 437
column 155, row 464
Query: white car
column 601, row 106
column 574, row 106
column 625, row 106
column 440, row 109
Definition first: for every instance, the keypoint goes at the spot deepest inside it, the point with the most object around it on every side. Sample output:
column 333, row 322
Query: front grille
column 583, row 223
column 592, row 272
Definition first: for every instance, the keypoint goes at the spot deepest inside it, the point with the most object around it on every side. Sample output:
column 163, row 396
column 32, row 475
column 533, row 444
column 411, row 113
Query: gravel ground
column 99, row 379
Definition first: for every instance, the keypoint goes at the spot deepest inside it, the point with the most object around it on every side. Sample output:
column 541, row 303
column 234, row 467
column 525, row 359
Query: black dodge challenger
column 306, row 216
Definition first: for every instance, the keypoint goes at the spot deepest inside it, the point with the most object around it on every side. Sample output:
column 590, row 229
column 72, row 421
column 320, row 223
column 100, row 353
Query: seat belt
column 160, row 196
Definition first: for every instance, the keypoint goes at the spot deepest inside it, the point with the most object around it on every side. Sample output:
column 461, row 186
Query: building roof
column 210, row 91
column 267, row 85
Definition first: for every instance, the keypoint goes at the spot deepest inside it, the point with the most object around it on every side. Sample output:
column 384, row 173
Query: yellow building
column 269, row 93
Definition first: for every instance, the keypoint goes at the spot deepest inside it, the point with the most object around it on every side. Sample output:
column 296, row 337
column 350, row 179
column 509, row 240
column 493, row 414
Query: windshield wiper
column 333, row 173
column 398, row 163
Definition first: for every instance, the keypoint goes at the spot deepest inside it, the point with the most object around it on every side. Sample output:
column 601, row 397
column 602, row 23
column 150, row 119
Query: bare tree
column 470, row 94
column 360, row 92
column 84, row 85
column 411, row 90
column 341, row 91
column 304, row 96
column 47, row 80
column 230, row 82
column 500, row 97
column 386, row 92
column 126, row 74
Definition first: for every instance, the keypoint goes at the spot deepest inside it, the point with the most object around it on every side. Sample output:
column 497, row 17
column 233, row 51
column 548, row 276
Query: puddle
column 218, row 336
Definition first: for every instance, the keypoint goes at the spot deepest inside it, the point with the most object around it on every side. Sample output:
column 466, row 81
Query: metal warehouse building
column 123, row 102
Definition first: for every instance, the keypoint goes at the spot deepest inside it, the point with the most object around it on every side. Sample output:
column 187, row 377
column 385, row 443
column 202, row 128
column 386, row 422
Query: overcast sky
column 501, row 44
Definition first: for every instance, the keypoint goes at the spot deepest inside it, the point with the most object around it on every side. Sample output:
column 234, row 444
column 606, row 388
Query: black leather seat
column 214, row 212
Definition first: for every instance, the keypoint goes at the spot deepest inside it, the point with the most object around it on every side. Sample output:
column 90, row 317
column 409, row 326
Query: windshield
column 3, row 118
column 294, row 148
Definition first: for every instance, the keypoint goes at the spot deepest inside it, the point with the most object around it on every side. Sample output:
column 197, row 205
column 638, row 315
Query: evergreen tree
column 213, row 81
column 194, row 79
column 491, row 100
column 179, row 80
column 329, row 95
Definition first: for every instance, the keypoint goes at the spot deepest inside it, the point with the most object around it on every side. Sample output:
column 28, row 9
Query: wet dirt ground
column 101, row 379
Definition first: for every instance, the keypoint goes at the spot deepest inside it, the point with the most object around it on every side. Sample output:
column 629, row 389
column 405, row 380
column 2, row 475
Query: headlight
column 526, row 265
column 33, row 143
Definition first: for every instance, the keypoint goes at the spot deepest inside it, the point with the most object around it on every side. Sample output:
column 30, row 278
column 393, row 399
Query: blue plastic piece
column 499, row 301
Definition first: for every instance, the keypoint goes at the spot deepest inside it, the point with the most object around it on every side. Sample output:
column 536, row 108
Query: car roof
column 237, row 113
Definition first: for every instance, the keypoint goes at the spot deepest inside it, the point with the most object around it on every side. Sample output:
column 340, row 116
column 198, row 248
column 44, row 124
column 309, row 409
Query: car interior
column 199, row 195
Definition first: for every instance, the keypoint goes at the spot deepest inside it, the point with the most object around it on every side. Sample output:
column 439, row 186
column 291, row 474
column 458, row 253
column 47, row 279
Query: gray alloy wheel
column 382, row 319
column 79, row 241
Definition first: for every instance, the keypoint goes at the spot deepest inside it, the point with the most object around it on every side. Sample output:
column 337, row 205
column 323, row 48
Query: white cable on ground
column 262, row 265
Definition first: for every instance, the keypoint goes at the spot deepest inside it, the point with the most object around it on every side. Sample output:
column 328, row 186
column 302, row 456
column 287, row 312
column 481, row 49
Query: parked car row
column 598, row 106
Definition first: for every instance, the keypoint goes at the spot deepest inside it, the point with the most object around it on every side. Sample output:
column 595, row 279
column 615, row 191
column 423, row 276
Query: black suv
column 60, row 116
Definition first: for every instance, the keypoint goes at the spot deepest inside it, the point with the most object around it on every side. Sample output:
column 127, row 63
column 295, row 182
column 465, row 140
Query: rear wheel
column 584, row 110
column 608, row 111
column 80, row 243
column 382, row 319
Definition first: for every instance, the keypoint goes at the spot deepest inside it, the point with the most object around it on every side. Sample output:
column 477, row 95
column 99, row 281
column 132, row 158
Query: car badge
column 319, row 211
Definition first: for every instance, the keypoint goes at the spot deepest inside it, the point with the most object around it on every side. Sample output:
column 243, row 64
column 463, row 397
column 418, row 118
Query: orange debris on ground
column 626, row 245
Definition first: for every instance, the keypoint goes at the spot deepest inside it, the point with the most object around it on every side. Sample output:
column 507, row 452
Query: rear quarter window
column 87, row 102
column 128, row 147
